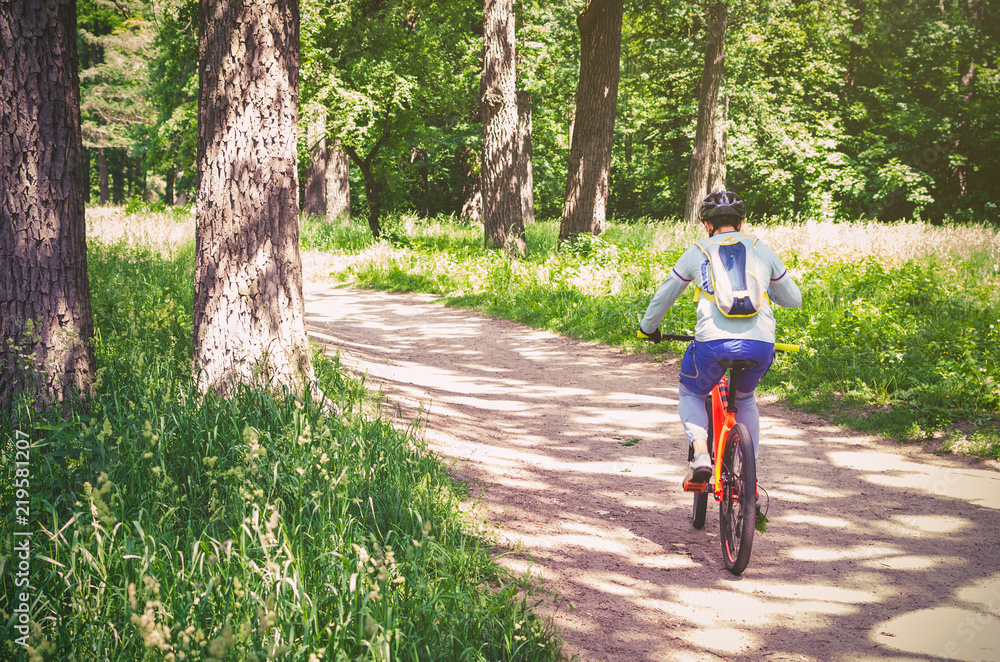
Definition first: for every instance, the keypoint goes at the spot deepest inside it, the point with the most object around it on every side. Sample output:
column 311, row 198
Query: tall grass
column 171, row 526
column 899, row 323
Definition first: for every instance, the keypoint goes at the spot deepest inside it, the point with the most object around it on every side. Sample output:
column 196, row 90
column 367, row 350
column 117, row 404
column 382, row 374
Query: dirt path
column 873, row 551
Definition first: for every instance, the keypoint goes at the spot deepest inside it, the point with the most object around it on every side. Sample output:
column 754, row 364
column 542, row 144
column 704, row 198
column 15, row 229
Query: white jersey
column 693, row 267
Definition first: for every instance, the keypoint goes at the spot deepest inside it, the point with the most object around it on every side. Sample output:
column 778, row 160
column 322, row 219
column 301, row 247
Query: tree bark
column 592, row 133
column 314, row 199
column 525, row 170
column 472, row 195
column 102, row 173
column 168, row 195
column 248, row 307
column 45, row 312
column 708, row 97
column 717, row 166
column 421, row 185
column 338, row 182
column 503, row 226
column 373, row 187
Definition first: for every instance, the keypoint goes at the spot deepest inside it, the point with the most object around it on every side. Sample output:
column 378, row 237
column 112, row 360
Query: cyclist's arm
column 782, row 289
column 784, row 292
column 666, row 295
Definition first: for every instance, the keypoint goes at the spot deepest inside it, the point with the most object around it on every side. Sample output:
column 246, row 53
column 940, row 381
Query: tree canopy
column 836, row 108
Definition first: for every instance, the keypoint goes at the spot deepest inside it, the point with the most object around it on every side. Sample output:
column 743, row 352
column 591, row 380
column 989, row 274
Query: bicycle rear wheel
column 699, row 509
column 700, row 506
column 737, row 510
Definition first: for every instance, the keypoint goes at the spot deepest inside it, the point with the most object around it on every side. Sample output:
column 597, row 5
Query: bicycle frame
column 723, row 419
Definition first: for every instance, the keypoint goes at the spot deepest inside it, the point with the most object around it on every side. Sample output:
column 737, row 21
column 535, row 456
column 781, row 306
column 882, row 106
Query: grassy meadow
column 170, row 526
column 899, row 325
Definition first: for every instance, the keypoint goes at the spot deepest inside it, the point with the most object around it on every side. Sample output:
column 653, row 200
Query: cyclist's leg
column 748, row 415
column 700, row 372
column 744, row 395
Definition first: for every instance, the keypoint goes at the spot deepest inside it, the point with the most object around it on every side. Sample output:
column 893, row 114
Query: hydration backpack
column 731, row 272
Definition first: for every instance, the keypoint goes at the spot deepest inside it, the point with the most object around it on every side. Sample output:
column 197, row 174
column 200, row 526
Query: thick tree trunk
column 45, row 314
column 708, row 97
column 102, row 174
column 717, row 166
column 338, row 182
column 503, row 226
column 592, row 133
column 314, row 199
column 525, row 171
column 248, row 307
column 472, row 195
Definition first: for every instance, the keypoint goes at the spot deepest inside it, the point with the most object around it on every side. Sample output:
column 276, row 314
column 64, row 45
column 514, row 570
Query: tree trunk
column 421, row 185
column 472, row 195
column 314, row 200
column 338, row 182
column 503, row 225
column 102, row 173
column 45, row 314
column 118, row 172
column 373, row 187
column 168, row 196
column 855, row 52
column 525, row 172
column 717, row 167
column 248, row 307
column 592, row 133
column 708, row 97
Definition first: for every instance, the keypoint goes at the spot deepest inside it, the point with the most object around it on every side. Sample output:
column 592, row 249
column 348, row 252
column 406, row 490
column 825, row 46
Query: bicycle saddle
column 739, row 364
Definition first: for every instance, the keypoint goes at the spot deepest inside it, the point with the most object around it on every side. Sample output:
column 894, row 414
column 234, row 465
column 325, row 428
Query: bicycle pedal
column 695, row 487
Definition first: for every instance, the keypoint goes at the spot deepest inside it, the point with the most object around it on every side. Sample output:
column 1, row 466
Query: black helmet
column 721, row 203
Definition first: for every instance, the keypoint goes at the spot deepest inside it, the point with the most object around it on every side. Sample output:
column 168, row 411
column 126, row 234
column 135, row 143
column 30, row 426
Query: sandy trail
column 874, row 551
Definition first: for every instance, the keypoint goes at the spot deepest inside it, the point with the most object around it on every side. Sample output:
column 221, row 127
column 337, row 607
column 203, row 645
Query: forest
column 851, row 109
column 187, row 478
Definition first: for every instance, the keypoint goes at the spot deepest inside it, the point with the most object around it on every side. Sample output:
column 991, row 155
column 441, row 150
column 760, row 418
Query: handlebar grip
column 675, row 336
column 783, row 347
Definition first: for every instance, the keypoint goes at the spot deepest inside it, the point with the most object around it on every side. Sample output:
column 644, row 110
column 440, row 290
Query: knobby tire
column 738, row 508
column 700, row 506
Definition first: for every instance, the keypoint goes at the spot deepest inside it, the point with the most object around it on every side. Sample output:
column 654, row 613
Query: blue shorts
column 700, row 369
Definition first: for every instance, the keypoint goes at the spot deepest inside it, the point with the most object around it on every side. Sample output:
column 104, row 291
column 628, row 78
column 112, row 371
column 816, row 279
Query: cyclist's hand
column 653, row 337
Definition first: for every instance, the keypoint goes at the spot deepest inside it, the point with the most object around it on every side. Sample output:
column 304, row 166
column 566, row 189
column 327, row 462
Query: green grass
column 171, row 526
column 904, row 346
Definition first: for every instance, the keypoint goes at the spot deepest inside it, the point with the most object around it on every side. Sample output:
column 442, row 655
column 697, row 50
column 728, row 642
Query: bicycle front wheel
column 738, row 508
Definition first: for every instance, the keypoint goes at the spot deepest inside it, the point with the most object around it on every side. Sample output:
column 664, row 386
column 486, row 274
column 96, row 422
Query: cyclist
column 744, row 331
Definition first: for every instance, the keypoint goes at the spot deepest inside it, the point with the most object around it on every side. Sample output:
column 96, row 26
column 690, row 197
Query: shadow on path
column 575, row 452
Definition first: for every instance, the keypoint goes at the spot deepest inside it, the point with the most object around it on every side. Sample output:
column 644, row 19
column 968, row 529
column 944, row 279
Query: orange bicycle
column 734, row 478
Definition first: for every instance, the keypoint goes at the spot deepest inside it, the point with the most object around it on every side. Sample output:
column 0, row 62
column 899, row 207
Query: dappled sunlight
column 978, row 486
column 967, row 630
column 575, row 459
column 849, row 553
column 909, row 562
column 816, row 520
column 722, row 640
column 932, row 523
column 815, row 593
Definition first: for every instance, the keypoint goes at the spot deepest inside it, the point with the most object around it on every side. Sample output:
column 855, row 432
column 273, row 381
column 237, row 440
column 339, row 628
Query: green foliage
column 909, row 349
column 172, row 526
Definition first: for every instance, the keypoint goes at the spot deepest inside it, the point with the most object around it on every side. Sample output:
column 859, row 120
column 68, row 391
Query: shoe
column 701, row 469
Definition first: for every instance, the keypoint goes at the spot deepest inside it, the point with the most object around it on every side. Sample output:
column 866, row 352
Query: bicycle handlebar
column 779, row 347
